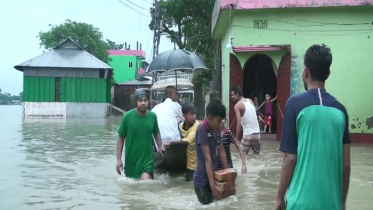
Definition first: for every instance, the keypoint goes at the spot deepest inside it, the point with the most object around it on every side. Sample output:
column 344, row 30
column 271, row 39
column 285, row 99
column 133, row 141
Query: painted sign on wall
column 45, row 110
column 179, row 76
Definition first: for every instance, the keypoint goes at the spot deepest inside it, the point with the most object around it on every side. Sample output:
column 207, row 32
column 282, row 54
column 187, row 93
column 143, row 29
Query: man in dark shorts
column 315, row 141
column 209, row 147
column 137, row 128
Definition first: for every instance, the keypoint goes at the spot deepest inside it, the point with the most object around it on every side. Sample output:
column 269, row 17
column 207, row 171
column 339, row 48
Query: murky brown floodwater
column 71, row 165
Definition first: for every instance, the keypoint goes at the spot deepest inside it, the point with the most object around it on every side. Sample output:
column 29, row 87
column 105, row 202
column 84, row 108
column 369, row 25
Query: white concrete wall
column 44, row 110
column 86, row 110
column 63, row 110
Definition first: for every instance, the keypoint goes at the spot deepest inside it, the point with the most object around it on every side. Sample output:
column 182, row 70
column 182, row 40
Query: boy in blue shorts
column 209, row 147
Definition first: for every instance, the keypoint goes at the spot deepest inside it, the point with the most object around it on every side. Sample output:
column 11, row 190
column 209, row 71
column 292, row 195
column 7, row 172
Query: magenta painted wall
column 139, row 53
column 252, row 4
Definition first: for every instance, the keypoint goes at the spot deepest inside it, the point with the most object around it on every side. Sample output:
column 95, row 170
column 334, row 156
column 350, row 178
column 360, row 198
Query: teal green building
column 262, row 43
column 66, row 82
column 127, row 64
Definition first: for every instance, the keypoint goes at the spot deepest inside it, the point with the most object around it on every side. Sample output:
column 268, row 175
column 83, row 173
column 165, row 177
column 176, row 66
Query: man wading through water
column 137, row 128
column 247, row 118
column 315, row 141
column 169, row 115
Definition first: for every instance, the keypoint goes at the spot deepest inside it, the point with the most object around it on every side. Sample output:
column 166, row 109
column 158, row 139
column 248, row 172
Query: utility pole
column 157, row 28
column 156, row 39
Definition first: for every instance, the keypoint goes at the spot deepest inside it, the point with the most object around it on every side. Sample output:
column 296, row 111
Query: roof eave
column 19, row 68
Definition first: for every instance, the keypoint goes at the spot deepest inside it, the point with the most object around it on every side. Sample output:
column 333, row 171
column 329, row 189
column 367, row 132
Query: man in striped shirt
column 228, row 139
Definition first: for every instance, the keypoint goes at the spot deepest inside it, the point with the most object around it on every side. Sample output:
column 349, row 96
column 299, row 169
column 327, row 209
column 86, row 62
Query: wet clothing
column 228, row 139
column 137, row 131
column 204, row 193
column 169, row 115
column 249, row 120
column 189, row 175
column 190, row 137
column 251, row 142
column 204, row 137
column 315, row 129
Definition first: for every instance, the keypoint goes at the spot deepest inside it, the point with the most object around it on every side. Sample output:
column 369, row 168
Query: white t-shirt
column 169, row 115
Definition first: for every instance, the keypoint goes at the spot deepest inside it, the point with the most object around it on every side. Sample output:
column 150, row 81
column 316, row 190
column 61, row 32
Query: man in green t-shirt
column 316, row 143
column 137, row 128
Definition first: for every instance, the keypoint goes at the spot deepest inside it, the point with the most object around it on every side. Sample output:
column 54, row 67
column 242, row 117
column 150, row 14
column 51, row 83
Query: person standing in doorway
column 169, row 115
column 268, row 113
column 137, row 127
column 315, row 141
column 247, row 119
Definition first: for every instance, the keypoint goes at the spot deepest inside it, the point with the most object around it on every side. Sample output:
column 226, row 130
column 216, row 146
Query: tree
column 188, row 24
column 114, row 45
column 5, row 98
column 86, row 35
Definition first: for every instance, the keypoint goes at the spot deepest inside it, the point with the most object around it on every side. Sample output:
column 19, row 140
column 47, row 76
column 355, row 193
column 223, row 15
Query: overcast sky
column 22, row 20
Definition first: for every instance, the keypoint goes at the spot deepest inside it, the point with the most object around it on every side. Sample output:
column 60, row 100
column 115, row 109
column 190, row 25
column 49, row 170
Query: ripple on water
column 71, row 165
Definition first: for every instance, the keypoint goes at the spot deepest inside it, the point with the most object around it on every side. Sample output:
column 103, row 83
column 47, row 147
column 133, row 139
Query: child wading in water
column 267, row 112
column 188, row 130
column 209, row 147
column 228, row 139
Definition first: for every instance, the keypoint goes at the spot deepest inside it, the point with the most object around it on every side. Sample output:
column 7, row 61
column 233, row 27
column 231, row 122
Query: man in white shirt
column 169, row 115
column 247, row 120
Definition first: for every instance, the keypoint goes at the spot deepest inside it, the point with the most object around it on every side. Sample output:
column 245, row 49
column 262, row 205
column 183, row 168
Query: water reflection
column 71, row 165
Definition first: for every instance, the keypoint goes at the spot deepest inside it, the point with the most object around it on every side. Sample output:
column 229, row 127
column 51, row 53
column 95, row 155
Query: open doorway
column 259, row 79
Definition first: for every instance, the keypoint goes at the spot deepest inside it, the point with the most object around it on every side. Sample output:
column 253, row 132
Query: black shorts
column 189, row 175
column 204, row 194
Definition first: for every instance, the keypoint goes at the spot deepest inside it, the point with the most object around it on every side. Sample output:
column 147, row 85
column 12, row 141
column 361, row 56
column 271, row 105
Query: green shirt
column 315, row 129
column 137, row 131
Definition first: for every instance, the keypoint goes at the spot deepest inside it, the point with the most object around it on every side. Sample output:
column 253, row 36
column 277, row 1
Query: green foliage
column 86, row 35
column 114, row 45
column 7, row 98
column 188, row 24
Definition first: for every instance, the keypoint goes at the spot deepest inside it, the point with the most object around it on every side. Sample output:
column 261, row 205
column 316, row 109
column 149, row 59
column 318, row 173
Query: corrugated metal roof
column 68, row 54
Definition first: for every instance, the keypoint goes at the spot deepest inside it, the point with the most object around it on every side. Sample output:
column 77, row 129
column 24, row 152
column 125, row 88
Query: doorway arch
column 259, row 79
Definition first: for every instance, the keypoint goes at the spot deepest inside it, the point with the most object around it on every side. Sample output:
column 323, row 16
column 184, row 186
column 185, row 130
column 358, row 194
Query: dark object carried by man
column 174, row 159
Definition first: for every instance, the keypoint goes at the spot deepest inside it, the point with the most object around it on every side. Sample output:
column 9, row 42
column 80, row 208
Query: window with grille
column 260, row 24
column 58, row 90
column 130, row 64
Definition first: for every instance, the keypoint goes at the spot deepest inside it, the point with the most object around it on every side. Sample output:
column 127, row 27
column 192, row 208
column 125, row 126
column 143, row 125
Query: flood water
column 57, row 164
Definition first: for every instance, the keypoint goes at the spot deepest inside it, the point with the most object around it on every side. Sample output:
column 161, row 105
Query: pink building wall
column 138, row 53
